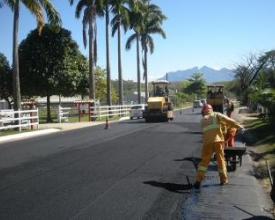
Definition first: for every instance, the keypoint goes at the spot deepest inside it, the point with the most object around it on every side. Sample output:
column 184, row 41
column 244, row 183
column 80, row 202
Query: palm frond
column 130, row 40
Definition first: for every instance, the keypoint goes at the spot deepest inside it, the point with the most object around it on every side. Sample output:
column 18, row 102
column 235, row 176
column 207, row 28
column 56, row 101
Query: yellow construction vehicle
column 215, row 97
column 159, row 107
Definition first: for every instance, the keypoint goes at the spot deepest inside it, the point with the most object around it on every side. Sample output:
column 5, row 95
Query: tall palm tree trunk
column 15, row 70
column 138, row 72
column 109, row 100
column 91, row 60
column 146, row 75
column 120, row 80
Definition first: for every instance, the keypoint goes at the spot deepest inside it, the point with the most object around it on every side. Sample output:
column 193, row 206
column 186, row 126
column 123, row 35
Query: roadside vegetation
column 261, row 138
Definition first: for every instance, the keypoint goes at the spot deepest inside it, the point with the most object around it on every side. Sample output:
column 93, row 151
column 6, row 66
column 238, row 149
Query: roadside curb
column 51, row 128
column 28, row 134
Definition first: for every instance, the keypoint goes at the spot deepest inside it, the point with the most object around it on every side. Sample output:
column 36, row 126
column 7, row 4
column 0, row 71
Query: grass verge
column 262, row 140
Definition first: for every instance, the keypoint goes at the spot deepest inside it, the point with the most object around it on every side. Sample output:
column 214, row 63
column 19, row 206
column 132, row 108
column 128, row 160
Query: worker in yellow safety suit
column 213, row 142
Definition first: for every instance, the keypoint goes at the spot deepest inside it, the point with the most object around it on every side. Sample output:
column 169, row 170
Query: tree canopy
column 51, row 64
column 195, row 85
column 255, row 82
column 5, row 79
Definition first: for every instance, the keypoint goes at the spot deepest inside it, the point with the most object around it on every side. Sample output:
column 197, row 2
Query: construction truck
column 159, row 106
column 215, row 97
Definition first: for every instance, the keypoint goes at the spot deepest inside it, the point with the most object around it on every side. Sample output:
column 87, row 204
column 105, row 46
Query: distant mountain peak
column 209, row 74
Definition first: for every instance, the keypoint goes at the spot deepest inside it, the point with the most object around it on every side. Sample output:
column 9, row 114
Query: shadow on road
column 192, row 132
column 258, row 218
column 194, row 160
column 172, row 187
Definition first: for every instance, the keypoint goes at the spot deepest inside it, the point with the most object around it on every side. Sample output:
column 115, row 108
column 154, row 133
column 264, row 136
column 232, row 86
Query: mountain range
column 209, row 74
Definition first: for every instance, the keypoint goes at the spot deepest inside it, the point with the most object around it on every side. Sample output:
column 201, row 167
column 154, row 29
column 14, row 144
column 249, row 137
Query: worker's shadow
column 172, row 187
column 258, row 218
column 192, row 132
column 212, row 166
column 194, row 160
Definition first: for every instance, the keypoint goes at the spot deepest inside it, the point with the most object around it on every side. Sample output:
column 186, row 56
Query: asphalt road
column 134, row 170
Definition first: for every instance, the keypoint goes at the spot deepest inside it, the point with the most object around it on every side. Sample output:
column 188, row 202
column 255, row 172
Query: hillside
column 209, row 74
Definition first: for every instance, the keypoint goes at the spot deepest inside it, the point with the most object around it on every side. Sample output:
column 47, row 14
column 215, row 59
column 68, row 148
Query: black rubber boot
column 197, row 185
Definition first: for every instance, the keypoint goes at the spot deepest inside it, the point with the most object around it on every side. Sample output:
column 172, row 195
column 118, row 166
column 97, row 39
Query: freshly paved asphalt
column 49, row 128
column 243, row 197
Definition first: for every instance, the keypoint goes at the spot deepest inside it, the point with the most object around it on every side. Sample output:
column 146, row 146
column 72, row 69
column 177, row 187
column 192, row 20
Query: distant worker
column 166, row 90
column 229, row 107
column 159, row 91
column 213, row 142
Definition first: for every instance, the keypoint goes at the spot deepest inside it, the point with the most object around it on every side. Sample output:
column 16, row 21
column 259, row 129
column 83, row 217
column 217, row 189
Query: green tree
column 38, row 8
column 247, row 72
column 53, row 65
column 255, row 81
column 5, row 79
column 101, row 82
column 152, row 21
column 197, row 85
column 120, row 19
column 145, row 19
column 137, row 9
column 261, row 89
column 90, row 10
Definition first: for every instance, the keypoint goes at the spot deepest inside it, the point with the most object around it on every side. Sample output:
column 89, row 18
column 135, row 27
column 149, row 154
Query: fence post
column 59, row 113
column 89, row 111
column 19, row 120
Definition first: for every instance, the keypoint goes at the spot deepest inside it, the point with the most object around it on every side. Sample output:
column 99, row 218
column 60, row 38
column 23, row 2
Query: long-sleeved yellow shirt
column 212, row 127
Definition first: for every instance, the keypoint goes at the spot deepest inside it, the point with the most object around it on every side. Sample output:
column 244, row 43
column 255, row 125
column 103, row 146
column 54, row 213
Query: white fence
column 94, row 112
column 63, row 114
column 18, row 119
column 30, row 118
column 110, row 111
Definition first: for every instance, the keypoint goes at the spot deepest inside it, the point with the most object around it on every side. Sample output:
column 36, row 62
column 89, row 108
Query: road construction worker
column 213, row 142
column 229, row 107
column 159, row 91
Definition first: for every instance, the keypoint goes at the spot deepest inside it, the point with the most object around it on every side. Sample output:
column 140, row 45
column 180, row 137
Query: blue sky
column 214, row 33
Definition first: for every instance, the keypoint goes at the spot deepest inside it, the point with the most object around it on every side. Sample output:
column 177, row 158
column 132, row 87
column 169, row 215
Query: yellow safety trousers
column 207, row 151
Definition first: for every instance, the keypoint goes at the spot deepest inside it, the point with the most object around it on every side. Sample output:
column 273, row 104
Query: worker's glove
column 241, row 130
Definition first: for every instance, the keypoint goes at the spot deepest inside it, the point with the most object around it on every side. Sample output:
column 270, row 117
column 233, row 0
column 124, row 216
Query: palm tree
column 37, row 8
column 108, row 66
column 121, row 18
column 153, row 19
column 137, row 9
column 91, row 8
column 146, row 19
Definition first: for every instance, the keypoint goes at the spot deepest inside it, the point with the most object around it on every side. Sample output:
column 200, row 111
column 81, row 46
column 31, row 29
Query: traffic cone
column 107, row 124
